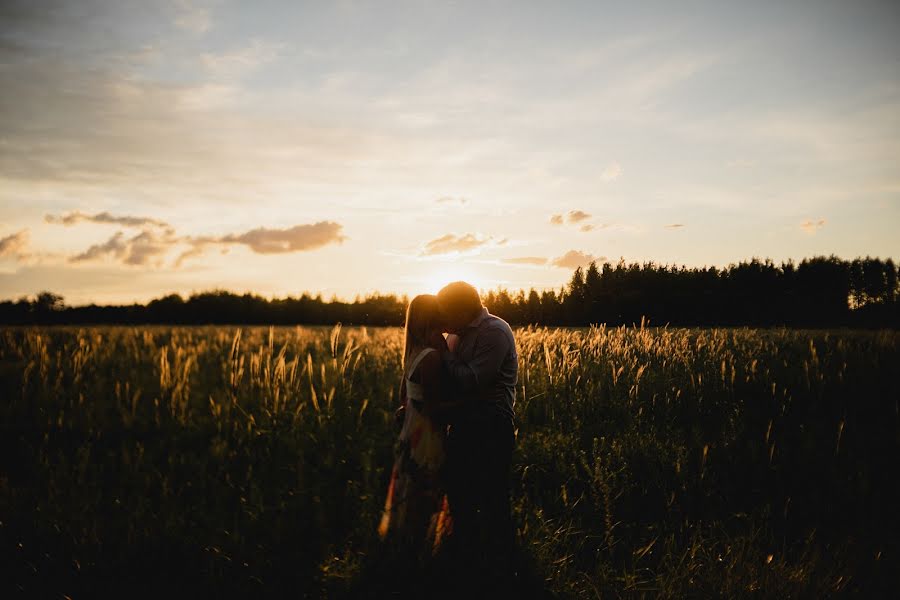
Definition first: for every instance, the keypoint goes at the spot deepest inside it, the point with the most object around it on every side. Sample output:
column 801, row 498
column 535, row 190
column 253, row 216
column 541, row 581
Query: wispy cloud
column 611, row 173
column 452, row 200
column 811, row 227
column 675, row 226
column 573, row 259
column 203, row 97
column 298, row 238
column 150, row 247
column 570, row 260
column 587, row 227
column 573, row 217
column 526, row 260
column 240, row 61
column 192, row 17
column 577, row 216
column 138, row 250
column 454, row 243
column 122, row 132
column 14, row 245
column 646, row 83
column 75, row 217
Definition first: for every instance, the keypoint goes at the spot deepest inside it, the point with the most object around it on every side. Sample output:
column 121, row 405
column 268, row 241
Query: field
column 650, row 461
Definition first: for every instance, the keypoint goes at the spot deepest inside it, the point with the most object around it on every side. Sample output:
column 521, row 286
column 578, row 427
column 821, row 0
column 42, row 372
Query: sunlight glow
column 444, row 273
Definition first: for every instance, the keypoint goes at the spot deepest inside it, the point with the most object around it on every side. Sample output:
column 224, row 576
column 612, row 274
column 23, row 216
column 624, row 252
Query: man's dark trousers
column 479, row 457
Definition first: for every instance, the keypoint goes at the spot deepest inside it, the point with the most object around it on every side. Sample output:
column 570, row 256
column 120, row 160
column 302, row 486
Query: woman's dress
column 416, row 508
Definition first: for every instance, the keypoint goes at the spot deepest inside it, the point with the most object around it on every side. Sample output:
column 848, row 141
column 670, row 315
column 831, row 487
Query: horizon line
column 362, row 296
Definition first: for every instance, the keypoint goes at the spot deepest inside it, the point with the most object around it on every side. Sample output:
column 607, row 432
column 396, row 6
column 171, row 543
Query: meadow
column 253, row 461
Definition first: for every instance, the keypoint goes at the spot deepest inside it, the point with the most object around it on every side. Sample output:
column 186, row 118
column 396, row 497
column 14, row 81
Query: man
column 484, row 369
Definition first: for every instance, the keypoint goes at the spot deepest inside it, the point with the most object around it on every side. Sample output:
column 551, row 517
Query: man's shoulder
column 495, row 323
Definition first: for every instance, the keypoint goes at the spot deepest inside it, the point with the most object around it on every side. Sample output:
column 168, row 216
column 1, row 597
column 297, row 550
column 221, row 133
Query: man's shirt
column 485, row 366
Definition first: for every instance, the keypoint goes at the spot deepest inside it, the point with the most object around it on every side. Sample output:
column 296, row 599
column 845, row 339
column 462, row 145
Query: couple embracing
column 449, row 488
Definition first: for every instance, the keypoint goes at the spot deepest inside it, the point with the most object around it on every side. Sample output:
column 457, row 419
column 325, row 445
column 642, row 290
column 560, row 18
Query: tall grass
column 662, row 462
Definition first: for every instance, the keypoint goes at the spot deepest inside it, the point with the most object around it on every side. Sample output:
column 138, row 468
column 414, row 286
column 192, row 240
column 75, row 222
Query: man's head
column 460, row 304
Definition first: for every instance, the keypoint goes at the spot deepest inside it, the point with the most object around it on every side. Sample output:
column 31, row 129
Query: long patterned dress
column 416, row 508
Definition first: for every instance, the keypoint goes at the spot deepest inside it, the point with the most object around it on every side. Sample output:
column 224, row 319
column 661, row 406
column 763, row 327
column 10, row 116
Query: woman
column 416, row 509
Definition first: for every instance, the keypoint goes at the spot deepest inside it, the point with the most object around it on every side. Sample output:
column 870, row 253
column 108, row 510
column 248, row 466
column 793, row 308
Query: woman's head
column 423, row 318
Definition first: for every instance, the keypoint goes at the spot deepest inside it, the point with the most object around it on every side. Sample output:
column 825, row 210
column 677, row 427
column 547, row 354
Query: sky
column 345, row 148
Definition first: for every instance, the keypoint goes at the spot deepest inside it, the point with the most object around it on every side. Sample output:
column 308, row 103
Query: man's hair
column 460, row 298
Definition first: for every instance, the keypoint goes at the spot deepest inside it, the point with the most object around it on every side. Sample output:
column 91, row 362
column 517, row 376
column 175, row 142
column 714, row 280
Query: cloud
column 452, row 200
column 75, row 217
column 148, row 246
column 611, row 173
column 526, row 260
column 14, row 245
column 573, row 259
column 207, row 96
column 138, row 250
column 115, row 246
column 675, row 226
column 453, row 243
column 192, row 18
column 145, row 247
column 298, row 238
column 811, row 227
column 197, row 248
column 577, row 216
column 97, row 132
column 238, row 62
column 570, row 260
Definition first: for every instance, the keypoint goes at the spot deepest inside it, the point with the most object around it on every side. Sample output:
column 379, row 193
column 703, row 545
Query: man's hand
column 452, row 342
column 400, row 416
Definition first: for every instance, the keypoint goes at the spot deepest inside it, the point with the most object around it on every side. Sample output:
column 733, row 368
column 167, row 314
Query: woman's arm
column 400, row 413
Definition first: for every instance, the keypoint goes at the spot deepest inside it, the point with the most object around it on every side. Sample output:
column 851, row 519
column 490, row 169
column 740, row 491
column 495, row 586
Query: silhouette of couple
column 449, row 487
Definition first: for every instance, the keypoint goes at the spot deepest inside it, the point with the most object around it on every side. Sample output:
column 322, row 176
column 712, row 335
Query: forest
column 816, row 292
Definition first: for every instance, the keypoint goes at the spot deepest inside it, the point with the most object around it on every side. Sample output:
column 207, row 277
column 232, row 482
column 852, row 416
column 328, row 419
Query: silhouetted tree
column 818, row 292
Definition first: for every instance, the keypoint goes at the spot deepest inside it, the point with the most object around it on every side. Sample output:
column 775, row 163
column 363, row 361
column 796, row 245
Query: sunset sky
column 347, row 147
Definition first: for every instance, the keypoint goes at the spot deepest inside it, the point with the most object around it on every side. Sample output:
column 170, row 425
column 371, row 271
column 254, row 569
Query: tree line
column 816, row 292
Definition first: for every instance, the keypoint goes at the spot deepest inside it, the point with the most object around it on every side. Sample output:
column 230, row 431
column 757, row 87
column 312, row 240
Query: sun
column 440, row 274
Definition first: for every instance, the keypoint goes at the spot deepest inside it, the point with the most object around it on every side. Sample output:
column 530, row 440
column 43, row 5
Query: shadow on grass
column 392, row 572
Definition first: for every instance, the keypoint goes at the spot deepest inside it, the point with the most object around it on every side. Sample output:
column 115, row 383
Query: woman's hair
column 422, row 317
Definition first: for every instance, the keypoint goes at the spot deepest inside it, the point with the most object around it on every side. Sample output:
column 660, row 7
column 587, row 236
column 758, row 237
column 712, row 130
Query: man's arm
column 491, row 349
